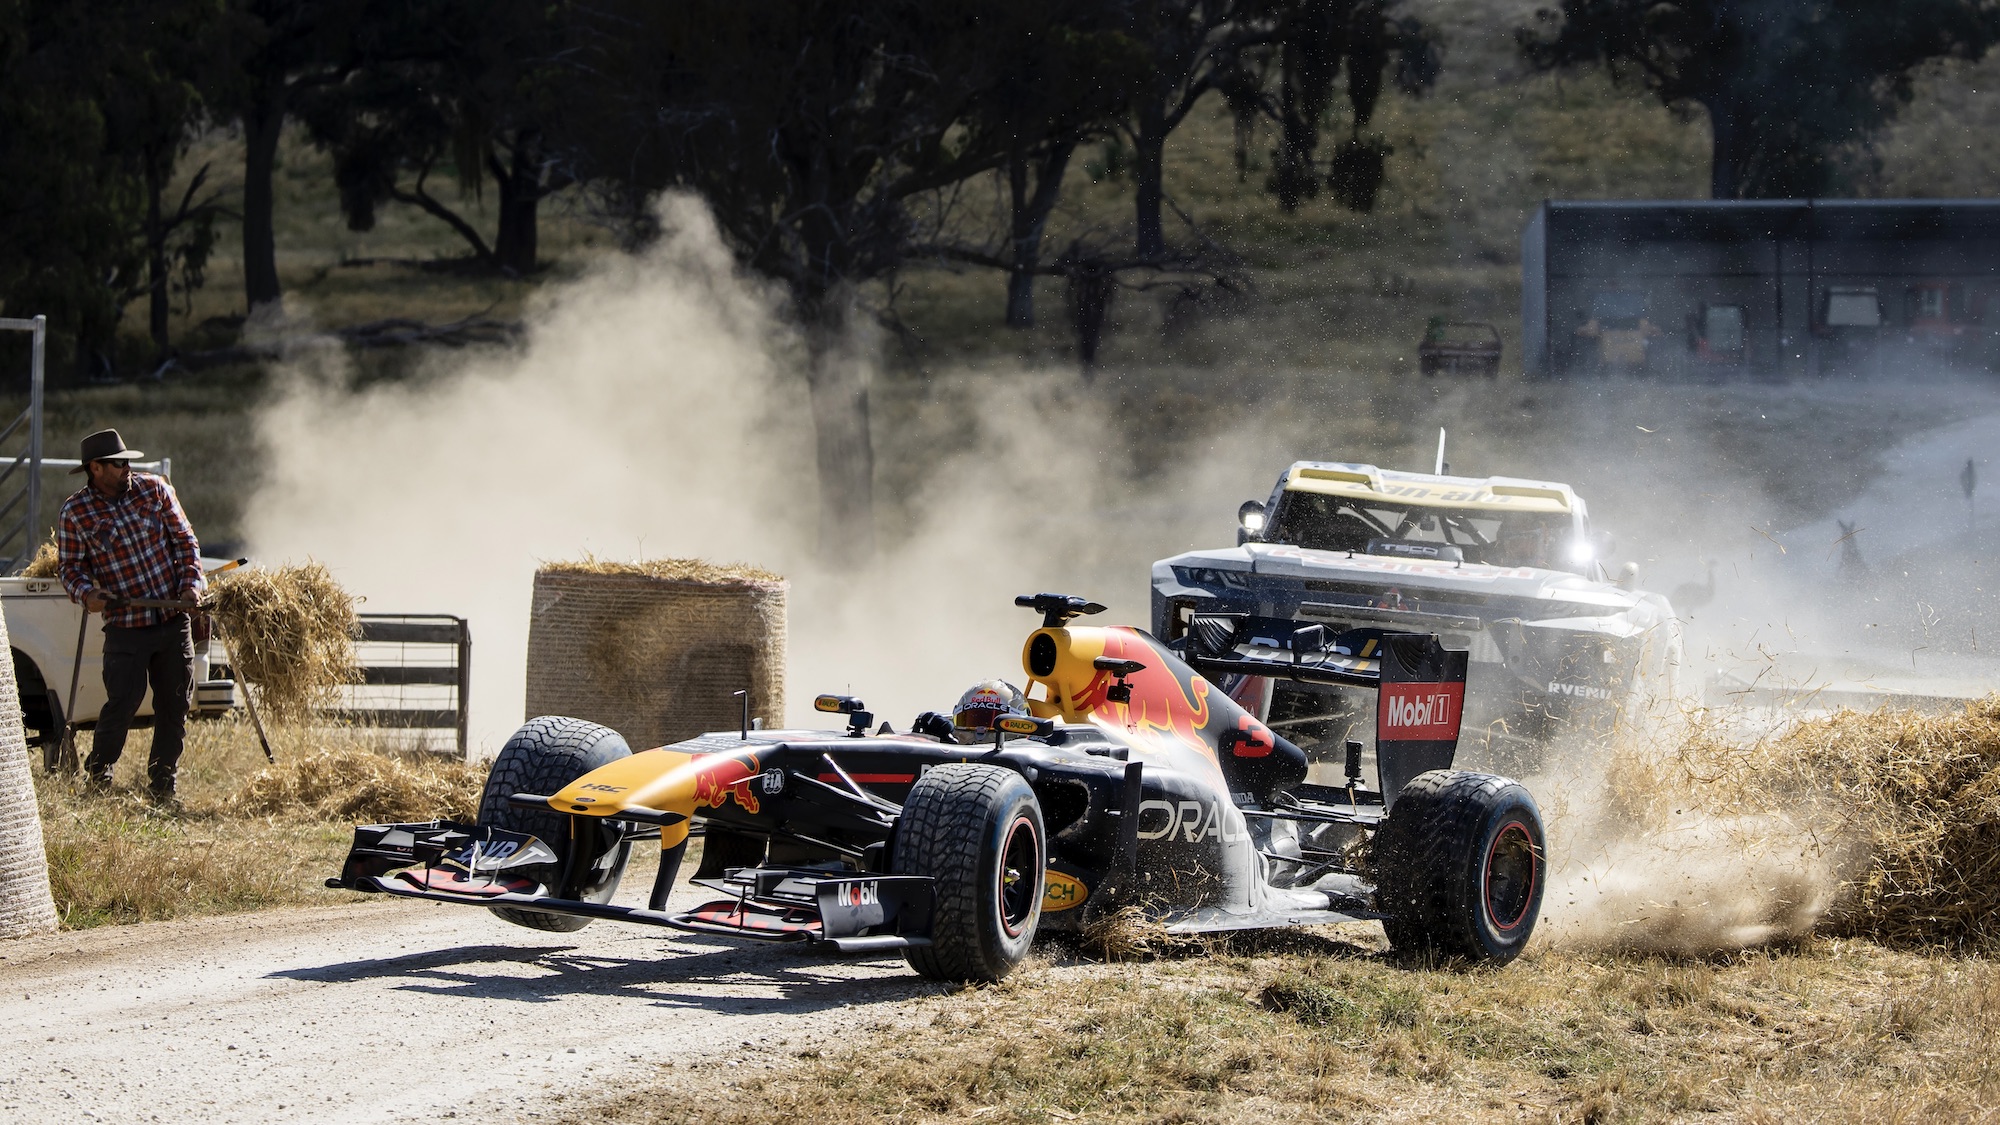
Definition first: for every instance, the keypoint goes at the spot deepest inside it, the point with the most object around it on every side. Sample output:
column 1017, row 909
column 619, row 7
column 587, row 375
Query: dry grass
column 290, row 632
column 1835, row 1031
column 1896, row 1025
column 671, row 570
column 246, row 837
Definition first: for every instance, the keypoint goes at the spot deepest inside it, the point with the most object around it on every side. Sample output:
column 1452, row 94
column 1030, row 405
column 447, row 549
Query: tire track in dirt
column 393, row 1011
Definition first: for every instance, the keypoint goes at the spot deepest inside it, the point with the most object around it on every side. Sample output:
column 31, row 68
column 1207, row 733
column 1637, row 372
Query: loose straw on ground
column 353, row 784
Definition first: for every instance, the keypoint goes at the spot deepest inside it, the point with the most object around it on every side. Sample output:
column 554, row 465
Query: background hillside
column 1323, row 335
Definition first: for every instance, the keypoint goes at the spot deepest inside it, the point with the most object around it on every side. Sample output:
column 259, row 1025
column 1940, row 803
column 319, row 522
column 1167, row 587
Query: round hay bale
column 26, row 904
column 656, row 650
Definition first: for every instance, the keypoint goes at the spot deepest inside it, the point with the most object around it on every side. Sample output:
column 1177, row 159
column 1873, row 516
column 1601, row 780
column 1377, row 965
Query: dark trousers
column 162, row 655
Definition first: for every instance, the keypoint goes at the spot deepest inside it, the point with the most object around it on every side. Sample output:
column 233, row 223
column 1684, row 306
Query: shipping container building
column 1766, row 287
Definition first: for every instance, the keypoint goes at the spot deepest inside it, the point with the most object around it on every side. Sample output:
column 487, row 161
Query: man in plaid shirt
column 124, row 536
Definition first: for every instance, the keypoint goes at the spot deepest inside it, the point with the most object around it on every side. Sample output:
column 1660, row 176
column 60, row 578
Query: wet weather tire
column 1460, row 865
column 977, row 832
column 545, row 755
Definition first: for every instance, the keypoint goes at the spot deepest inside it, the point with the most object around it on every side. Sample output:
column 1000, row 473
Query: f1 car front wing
column 442, row 861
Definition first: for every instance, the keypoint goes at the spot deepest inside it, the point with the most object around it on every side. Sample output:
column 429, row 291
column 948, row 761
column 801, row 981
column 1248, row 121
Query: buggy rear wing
column 1421, row 684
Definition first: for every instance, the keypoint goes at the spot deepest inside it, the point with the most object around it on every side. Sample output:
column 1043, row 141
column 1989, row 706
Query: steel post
column 35, row 439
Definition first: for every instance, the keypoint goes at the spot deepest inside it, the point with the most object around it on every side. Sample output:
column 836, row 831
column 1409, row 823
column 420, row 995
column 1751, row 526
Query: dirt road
column 390, row 1011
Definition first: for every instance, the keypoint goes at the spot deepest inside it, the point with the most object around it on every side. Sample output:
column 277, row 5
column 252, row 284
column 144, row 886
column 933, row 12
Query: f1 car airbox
column 1418, row 710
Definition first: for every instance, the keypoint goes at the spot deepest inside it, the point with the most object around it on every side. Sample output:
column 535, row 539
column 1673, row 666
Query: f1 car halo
column 1137, row 779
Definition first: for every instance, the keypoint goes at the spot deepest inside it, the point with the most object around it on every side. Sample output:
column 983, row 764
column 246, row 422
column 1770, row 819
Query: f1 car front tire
column 545, row 755
column 1460, row 865
column 977, row 832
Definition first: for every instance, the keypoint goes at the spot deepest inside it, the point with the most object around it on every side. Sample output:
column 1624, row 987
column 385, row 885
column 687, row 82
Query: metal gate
column 416, row 674
column 18, row 538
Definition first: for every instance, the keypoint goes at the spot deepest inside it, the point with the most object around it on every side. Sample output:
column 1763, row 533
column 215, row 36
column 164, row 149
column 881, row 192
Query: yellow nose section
column 666, row 781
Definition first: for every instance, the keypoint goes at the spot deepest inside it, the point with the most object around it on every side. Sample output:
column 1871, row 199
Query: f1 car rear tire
column 1460, row 866
column 977, row 831
column 545, row 755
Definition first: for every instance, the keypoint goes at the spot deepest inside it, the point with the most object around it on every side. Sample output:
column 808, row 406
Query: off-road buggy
column 1135, row 782
column 1507, row 569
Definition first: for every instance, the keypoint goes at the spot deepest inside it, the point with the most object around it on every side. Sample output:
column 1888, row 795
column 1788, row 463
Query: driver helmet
column 986, row 701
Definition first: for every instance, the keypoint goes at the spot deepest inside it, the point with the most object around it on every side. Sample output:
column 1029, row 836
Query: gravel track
column 397, row 1011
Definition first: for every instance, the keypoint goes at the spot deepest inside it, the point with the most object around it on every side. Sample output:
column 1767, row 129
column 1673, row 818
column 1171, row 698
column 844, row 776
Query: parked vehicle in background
column 44, row 626
column 1715, row 334
column 1457, row 346
column 1621, row 328
column 1945, row 317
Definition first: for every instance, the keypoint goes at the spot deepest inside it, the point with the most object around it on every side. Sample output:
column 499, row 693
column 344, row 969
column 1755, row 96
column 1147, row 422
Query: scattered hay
column 290, row 632
column 43, row 565
column 1129, row 934
column 1905, row 805
column 357, row 785
column 1923, row 794
column 671, row 570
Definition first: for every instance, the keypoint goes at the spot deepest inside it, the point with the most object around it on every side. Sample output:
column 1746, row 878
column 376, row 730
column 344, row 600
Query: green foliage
column 99, row 100
column 461, row 85
column 1790, row 88
column 810, row 128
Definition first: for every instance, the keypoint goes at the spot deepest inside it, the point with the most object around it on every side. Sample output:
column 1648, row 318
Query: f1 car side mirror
column 1119, row 691
column 1058, row 609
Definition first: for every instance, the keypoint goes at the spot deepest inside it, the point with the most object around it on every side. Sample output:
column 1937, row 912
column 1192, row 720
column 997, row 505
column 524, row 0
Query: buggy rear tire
column 545, row 755
column 977, row 832
column 1460, row 866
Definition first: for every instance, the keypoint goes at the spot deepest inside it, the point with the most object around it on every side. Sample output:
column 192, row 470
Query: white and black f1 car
column 1136, row 781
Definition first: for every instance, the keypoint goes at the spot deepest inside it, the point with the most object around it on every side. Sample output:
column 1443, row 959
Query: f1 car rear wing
column 1421, row 684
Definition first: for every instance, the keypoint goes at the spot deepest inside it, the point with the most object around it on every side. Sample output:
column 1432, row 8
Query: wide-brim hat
column 105, row 445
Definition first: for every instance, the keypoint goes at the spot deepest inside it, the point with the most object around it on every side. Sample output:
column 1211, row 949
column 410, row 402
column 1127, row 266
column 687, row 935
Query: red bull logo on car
column 719, row 778
column 1160, row 700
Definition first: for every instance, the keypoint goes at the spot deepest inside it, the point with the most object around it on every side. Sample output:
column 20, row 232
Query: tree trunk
column 1725, row 149
column 1030, row 220
column 838, row 381
column 26, row 907
column 1147, row 169
column 263, row 123
column 515, row 244
column 157, row 305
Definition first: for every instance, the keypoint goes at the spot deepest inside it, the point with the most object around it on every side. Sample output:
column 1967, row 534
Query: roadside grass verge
column 246, row 837
column 1829, row 1031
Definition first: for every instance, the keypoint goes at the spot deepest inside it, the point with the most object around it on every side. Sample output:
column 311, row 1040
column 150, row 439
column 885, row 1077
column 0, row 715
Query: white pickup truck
column 42, row 624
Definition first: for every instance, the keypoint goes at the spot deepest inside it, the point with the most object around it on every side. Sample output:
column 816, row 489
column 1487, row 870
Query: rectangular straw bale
column 654, row 651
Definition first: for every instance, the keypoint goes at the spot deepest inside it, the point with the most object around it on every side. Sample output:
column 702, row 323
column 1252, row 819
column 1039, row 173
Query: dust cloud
column 1648, row 850
column 656, row 409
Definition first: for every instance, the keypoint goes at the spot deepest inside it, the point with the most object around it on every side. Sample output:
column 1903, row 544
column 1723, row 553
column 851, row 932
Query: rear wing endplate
column 1420, row 683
